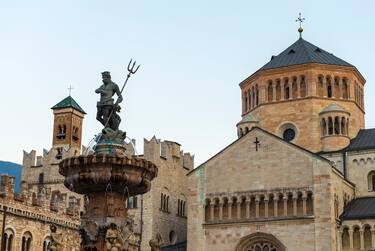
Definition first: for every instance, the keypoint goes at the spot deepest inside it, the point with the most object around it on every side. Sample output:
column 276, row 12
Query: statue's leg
column 99, row 115
column 105, row 112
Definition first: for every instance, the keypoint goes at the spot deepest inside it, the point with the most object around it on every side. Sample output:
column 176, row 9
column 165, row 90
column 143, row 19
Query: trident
column 132, row 70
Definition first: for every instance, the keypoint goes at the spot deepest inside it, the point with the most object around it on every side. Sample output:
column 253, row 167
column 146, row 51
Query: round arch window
column 289, row 134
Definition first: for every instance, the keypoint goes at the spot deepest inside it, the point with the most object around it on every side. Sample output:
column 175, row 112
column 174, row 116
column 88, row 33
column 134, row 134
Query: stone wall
column 30, row 215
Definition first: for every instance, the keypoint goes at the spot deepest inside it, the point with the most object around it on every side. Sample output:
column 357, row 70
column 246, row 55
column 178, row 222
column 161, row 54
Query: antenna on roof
column 300, row 20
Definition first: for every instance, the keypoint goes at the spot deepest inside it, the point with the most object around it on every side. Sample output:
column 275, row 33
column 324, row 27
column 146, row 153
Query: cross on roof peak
column 300, row 19
column 70, row 88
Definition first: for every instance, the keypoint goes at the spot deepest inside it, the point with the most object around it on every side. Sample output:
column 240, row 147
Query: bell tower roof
column 68, row 102
column 303, row 52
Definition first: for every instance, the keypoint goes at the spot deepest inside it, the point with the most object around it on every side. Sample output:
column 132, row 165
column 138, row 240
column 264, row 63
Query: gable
column 276, row 165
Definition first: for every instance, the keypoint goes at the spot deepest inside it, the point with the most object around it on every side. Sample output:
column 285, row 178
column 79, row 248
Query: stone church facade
column 301, row 174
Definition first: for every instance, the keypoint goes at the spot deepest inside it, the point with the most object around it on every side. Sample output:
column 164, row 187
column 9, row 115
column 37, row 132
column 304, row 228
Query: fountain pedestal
column 106, row 178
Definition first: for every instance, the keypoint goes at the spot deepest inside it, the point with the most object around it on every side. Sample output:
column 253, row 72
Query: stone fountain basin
column 102, row 172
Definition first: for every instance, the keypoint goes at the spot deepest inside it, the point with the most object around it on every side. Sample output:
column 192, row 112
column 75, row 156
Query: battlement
column 39, row 198
column 53, row 156
column 168, row 150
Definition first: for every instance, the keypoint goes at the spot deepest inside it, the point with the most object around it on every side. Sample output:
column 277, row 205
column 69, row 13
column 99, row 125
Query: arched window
column 329, row 88
column 278, row 90
column 270, row 91
column 371, row 181
column 41, row 178
column 250, row 100
column 75, row 133
column 337, row 126
column 345, row 88
column 303, row 87
column 286, row 89
column 46, row 243
column 253, row 97
column 61, row 133
column 257, row 95
column 246, row 108
column 8, row 239
column 320, row 86
column 26, row 241
column 330, row 126
column 309, row 204
column 216, row 209
column 367, row 237
column 356, row 238
column 259, row 242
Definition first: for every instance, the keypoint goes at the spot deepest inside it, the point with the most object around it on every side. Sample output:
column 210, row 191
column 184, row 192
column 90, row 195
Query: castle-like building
column 301, row 175
column 44, row 200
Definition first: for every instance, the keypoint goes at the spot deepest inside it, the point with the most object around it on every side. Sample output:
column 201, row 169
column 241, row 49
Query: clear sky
column 193, row 55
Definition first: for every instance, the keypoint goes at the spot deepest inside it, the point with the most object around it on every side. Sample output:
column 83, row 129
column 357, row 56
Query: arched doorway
column 260, row 242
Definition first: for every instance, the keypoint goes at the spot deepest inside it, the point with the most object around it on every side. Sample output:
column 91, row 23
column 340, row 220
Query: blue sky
column 193, row 55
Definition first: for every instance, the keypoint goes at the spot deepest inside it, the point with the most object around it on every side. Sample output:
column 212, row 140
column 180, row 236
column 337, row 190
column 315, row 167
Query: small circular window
column 289, row 134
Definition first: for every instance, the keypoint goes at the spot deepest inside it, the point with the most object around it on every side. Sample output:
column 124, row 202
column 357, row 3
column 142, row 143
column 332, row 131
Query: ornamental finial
column 300, row 20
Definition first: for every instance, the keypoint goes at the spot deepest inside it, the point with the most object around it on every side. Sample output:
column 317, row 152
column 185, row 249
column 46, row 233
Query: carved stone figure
column 128, row 232
column 156, row 243
column 57, row 240
column 114, row 240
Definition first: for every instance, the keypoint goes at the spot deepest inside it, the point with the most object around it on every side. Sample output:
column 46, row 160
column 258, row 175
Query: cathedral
column 301, row 175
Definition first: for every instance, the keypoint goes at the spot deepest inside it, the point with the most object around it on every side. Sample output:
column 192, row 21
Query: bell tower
column 67, row 125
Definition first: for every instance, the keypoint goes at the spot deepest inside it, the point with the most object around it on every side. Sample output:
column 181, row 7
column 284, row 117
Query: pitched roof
column 361, row 208
column 68, row 102
column 365, row 140
column 302, row 52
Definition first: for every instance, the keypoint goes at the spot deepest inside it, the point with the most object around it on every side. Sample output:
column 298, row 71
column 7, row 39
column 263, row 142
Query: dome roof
column 248, row 118
column 333, row 108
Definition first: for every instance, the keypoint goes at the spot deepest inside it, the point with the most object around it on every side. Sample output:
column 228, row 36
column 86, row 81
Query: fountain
column 107, row 177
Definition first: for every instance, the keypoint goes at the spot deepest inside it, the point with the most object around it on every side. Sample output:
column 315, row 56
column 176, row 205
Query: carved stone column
column 275, row 206
column 221, row 211
column 248, row 208
column 239, row 210
column 362, row 238
column 273, row 92
column 338, row 240
column 282, row 90
column 285, row 205
column 257, row 207
column 373, row 238
column 351, row 239
column 266, row 207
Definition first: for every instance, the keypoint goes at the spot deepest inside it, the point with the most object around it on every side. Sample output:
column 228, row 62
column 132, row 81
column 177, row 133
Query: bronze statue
column 106, row 109
column 57, row 240
column 156, row 243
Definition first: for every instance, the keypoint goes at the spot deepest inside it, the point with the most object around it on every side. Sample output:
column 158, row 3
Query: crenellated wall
column 165, row 206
